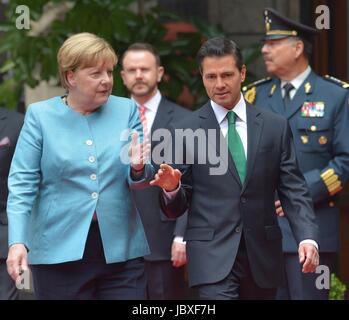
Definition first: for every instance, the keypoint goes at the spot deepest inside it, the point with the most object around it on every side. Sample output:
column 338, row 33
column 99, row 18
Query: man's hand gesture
column 167, row 178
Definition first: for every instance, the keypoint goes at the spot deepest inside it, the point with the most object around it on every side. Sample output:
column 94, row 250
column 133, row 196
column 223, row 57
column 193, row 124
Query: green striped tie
column 236, row 147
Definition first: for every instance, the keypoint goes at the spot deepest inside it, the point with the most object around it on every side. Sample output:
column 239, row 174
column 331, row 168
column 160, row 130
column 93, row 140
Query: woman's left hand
column 138, row 152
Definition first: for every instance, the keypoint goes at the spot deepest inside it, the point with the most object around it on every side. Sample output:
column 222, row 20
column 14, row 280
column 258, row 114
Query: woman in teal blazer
column 69, row 201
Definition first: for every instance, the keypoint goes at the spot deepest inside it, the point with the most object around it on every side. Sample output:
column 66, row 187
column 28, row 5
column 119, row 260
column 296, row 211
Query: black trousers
column 164, row 282
column 238, row 285
column 8, row 290
column 91, row 277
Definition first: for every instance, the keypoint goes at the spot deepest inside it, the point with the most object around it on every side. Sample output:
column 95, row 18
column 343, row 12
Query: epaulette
column 255, row 84
column 341, row 83
column 250, row 90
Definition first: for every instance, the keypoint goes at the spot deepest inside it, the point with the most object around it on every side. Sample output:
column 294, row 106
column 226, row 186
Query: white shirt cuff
column 309, row 241
column 179, row 239
column 170, row 195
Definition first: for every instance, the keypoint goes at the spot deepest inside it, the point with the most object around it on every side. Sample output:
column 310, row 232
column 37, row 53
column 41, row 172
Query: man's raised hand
column 167, row 178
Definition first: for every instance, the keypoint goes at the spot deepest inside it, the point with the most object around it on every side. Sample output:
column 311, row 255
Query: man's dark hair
column 220, row 47
column 142, row 46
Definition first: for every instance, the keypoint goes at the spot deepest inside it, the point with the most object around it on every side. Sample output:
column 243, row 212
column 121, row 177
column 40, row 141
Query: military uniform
column 319, row 119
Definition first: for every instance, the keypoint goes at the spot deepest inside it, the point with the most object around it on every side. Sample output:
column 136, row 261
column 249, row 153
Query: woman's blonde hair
column 83, row 50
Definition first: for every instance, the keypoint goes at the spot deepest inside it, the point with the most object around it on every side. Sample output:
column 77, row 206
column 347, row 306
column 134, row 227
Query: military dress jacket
column 319, row 119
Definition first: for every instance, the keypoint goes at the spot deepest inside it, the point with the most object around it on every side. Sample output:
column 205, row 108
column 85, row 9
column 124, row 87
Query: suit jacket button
column 237, row 229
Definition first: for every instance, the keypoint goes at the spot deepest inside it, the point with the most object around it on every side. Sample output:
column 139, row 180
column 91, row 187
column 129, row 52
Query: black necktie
column 287, row 99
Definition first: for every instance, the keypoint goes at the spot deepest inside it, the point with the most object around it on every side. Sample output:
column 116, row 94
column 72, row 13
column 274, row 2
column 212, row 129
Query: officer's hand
column 278, row 208
column 178, row 254
column 308, row 257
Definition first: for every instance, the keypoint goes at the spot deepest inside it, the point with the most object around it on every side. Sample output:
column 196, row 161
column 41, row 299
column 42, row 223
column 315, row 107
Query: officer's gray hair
column 308, row 47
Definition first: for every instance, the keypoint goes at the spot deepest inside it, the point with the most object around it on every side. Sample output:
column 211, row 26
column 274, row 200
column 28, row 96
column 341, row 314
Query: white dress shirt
column 296, row 82
column 221, row 114
column 151, row 108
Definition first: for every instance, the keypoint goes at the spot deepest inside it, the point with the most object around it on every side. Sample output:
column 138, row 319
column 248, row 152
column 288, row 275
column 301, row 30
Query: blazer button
column 243, row 200
column 237, row 229
column 94, row 195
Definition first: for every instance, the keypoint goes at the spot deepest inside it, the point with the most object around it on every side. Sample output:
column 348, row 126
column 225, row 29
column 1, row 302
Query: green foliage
column 338, row 288
column 31, row 59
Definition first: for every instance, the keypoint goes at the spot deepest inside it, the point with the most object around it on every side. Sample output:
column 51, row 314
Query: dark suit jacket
column 159, row 229
column 10, row 126
column 220, row 208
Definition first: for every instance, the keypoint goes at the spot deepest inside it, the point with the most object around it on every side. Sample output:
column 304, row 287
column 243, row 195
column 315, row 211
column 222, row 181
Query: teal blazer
column 66, row 166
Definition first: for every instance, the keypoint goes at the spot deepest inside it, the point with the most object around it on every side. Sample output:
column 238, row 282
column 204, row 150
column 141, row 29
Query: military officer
column 317, row 110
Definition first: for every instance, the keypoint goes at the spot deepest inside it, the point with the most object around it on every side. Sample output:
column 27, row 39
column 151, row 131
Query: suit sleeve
column 293, row 192
column 181, row 225
column 180, row 203
column 24, row 177
column 330, row 180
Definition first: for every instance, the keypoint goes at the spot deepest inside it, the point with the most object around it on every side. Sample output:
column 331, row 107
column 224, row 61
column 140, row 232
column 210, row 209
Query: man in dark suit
column 10, row 126
column 141, row 73
column 317, row 111
column 233, row 239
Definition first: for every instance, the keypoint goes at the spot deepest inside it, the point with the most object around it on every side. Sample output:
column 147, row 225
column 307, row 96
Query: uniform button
column 93, row 176
column 243, row 200
column 94, row 195
column 89, row 142
column 322, row 140
column 313, row 128
column 305, row 139
column 237, row 229
column 91, row 159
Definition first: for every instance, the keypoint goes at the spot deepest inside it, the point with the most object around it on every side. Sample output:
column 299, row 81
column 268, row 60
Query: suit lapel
column 254, row 132
column 208, row 120
column 301, row 95
column 163, row 115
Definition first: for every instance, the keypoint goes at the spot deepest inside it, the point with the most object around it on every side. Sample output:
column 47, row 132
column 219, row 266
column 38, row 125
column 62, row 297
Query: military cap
column 278, row 27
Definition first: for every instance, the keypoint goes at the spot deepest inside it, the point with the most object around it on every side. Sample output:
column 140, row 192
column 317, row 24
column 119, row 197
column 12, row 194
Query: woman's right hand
column 17, row 261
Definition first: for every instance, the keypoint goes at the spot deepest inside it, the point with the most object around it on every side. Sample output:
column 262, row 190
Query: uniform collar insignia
column 272, row 90
column 307, row 88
